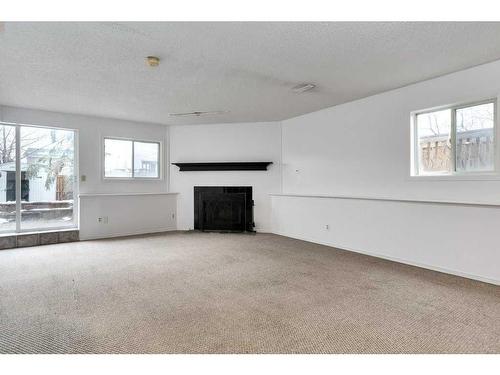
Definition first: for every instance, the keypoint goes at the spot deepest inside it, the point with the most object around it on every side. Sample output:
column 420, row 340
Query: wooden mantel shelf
column 224, row 166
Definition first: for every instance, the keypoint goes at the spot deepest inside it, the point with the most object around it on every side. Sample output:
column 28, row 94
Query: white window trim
column 456, row 176
column 76, row 185
column 161, row 175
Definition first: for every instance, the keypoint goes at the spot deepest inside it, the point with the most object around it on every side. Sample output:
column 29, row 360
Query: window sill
column 458, row 177
column 128, row 179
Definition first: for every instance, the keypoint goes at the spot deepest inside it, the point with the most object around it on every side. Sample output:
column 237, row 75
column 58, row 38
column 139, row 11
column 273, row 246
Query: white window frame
column 455, row 175
column 132, row 178
column 76, row 186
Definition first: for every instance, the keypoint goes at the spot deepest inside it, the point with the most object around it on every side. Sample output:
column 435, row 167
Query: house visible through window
column 125, row 158
column 37, row 178
column 455, row 141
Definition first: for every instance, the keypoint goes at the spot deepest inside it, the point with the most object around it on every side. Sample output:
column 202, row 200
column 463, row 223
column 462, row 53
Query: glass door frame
column 76, row 215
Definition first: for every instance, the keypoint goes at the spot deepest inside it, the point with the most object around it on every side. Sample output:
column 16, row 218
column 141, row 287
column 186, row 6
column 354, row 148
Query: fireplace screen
column 223, row 208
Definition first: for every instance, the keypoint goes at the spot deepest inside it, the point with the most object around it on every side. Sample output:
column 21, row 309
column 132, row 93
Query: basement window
column 131, row 159
column 455, row 140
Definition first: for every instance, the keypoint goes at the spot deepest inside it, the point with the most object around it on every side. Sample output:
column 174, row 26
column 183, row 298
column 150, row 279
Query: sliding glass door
column 37, row 178
column 7, row 178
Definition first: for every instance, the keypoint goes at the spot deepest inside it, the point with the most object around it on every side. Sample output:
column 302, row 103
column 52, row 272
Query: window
column 37, row 178
column 456, row 140
column 125, row 158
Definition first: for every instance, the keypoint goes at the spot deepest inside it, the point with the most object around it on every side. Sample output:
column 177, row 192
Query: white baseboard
column 125, row 234
column 398, row 260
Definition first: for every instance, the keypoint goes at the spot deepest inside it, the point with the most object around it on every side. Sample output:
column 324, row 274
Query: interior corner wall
column 226, row 142
column 362, row 148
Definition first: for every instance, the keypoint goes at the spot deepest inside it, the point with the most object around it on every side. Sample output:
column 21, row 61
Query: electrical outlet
column 102, row 220
column 327, row 227
column 173, row 216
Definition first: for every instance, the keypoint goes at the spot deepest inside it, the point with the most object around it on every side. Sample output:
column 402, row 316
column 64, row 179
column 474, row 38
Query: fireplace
column 223, row 208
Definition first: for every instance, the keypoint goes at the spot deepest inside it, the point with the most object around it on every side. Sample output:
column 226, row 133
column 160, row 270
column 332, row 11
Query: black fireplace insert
column 223, row 208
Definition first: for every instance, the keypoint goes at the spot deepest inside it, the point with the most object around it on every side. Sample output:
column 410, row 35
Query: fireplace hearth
column 223, row 208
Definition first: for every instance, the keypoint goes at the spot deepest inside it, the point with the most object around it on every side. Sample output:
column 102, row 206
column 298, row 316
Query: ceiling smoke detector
column 198, row 113
column 303, row 87
column 153, row 61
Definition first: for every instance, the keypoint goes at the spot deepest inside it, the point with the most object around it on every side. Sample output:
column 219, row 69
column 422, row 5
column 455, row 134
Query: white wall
column 226, row 142
column 362, row 148
column 91, row 131
column 126, row 214
column 451, row 238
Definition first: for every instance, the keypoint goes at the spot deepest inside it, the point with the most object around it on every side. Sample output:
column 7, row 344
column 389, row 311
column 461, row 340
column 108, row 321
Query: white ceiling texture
column 247, row 70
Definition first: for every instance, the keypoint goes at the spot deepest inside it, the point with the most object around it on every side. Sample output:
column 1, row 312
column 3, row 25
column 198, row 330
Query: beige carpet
column 234, row 293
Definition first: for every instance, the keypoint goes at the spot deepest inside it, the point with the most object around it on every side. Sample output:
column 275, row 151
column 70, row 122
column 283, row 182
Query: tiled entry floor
column 35, row 239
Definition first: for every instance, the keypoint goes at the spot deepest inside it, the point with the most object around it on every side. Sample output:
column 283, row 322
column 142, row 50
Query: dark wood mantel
column 224, row 166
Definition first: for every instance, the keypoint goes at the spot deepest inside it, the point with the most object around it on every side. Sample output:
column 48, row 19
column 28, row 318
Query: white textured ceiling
column 247, row 69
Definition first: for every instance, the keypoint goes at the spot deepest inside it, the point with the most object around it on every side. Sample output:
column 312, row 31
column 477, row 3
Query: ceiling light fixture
column 153, row 61
column 303, row 87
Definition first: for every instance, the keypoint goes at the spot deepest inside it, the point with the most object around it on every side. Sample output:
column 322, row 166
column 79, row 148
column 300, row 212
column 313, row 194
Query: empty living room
column 198, row 181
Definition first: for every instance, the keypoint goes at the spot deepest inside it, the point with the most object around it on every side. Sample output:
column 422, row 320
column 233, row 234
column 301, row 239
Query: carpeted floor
column 234, row 293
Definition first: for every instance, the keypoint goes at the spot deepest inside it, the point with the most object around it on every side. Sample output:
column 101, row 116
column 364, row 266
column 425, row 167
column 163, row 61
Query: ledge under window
column 457, row 177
